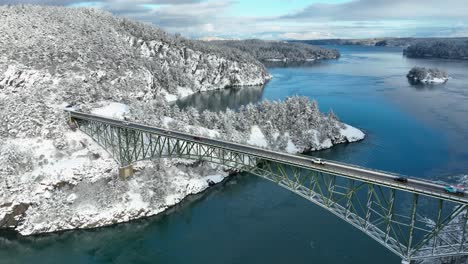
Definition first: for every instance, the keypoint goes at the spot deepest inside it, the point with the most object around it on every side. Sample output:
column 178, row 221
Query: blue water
column 418, row 131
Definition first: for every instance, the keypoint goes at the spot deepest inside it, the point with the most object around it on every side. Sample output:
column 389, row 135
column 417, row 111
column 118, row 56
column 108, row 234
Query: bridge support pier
column 126, row 171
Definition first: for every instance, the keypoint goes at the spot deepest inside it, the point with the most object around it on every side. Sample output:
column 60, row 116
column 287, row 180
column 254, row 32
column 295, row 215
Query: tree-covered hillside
column 55, row 55
column 279, row 50
column 444, row 48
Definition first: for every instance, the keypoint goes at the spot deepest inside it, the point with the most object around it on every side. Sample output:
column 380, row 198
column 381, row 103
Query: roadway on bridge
column 414, row 185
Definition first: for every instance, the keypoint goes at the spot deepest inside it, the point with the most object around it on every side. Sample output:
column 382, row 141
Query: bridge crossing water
column 416, row 219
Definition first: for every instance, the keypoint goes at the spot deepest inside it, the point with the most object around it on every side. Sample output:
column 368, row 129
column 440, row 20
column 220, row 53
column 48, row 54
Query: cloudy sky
column 291, row 19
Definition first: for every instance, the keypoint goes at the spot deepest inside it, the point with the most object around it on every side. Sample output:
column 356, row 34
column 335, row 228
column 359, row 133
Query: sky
column 290, row 19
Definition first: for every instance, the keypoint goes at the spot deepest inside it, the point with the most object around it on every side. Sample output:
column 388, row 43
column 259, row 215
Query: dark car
column 401, row 179
column 197, row 138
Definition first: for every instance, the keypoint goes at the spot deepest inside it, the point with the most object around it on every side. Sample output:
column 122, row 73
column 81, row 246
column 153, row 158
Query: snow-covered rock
column 74, row 189
column 111, row 110
column 427, row 76
column 257, row 138
column 352, row 134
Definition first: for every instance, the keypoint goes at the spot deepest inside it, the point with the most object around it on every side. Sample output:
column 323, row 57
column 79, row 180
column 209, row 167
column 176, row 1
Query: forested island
column 271, row 51
column 386, row 41
column 445, row 49
column 418, row 75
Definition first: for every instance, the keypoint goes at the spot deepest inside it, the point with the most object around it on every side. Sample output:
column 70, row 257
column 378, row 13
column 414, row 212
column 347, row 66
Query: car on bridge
column 455, row 189
column 401, row 179
column 197, row 138
column 318, row 161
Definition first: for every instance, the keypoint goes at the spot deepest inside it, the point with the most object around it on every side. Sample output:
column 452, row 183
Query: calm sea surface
column 419, row 131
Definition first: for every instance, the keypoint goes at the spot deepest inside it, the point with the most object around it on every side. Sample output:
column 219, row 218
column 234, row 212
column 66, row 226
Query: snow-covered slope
column 54, row 179
column 50, row 57
column 55, row 190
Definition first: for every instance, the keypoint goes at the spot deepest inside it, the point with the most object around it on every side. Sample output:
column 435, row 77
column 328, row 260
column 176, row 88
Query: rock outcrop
column 422, row 75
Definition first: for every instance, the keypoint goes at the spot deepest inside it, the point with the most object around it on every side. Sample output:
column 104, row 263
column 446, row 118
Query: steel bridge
column 416, row 219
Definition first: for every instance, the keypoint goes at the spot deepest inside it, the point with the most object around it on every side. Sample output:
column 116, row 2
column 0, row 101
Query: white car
column 318, row 161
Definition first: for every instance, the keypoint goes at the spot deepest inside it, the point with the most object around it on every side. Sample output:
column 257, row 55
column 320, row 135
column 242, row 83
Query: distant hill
column 440, row 48
column 446, row 48
column 53, row 55
column 271, row 51
column 390, row 42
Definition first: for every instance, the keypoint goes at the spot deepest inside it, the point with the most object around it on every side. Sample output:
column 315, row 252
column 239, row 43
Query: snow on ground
column 327, row 143
column 352, row 134
column 112, row 110
column 80, row 188
column 257, row 138
column 184, row 92
column 198, row 130
column 166, row 120
column 181, row 92
column 169, row 97
column 291, row 148
column 429, row 79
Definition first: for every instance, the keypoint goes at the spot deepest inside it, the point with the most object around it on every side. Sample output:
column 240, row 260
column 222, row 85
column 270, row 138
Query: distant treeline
column 445, row 48
column 279, row 50
column 390, row 42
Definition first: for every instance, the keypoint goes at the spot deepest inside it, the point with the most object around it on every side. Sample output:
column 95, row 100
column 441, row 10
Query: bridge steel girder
column 410, row 225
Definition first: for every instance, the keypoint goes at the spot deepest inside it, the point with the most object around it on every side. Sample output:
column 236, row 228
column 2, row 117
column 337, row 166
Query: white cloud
column 357, row 10
column 352, row 19
column 306, row 35
column 208, row 27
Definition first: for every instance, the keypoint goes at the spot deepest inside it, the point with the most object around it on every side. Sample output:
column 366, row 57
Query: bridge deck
column 413, row 185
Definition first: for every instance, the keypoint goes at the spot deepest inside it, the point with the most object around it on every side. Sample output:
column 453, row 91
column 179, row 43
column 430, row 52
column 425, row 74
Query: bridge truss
column 411, row 225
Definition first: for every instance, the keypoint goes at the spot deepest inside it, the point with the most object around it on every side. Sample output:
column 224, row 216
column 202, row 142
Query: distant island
column 384, row 41
column 279, row 51
column 445, row 48
column 418, row 75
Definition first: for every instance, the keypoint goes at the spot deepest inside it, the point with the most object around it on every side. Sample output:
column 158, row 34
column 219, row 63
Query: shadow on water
column 220, row 100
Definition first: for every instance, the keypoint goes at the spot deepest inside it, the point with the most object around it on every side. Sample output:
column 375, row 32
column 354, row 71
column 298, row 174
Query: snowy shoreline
column 215, row 181
column 77, row 188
